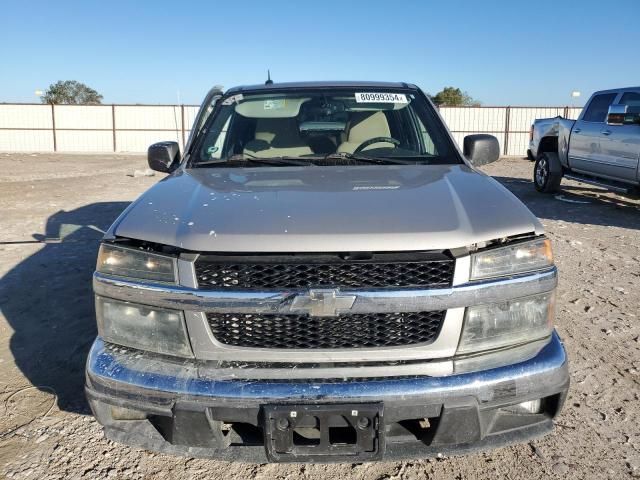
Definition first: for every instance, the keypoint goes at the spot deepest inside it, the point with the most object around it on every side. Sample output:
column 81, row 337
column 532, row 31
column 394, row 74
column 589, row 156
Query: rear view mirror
column 481, row 149
column 623, row 115
column 163, row 156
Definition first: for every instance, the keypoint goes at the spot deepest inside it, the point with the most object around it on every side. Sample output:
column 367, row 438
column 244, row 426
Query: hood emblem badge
column 322, row 302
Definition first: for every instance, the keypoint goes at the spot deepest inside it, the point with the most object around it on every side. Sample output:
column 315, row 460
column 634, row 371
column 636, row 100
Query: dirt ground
column 54, row 208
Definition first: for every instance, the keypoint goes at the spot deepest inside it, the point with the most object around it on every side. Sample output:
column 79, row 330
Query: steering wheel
column 371, row 141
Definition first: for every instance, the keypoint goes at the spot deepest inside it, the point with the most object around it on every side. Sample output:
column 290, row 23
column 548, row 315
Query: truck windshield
column 314, row 126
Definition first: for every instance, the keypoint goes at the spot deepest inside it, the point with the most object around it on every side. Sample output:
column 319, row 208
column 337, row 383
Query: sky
column 517, row 52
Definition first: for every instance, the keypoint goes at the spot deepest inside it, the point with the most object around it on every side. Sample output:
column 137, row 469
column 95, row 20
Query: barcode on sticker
column 373, row 97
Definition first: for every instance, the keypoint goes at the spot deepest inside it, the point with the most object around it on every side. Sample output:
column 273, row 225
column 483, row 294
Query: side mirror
column 163, row 156
column 481, row 149
column 623, row 115
column 616, row 114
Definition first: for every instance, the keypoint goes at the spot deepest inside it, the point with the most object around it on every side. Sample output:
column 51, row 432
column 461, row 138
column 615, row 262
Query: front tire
column 544, row 179
column 530, row 155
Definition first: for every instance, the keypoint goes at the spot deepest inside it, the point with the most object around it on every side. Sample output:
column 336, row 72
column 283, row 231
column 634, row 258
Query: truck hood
column 325, row 209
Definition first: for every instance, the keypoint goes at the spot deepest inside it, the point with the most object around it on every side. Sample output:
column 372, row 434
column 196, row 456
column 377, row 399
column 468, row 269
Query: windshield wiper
column 253, row 160
column 367, row 159
column 415, row 158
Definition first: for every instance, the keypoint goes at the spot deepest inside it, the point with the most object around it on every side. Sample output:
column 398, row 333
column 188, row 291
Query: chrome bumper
column 174, row 407
column 121, row 375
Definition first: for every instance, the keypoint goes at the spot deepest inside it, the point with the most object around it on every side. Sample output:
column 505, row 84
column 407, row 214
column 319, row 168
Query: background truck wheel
column 544, row 179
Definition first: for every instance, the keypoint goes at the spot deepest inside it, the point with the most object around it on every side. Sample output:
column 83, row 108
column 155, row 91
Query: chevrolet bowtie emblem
column 322, row 303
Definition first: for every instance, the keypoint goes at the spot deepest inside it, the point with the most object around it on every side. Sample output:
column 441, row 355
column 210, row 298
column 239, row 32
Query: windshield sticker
column 275, row 104
column 372, row 97
column 232, row 99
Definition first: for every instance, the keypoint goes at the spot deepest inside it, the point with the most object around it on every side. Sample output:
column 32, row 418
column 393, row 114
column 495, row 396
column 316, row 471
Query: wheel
column 544, row 180
column 530, row 155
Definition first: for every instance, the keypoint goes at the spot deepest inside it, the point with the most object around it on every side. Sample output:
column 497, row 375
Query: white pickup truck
column 601, row 147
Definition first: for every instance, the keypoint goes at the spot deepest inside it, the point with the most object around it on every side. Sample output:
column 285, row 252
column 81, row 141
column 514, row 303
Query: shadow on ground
column 48, row 302
column 577, row 204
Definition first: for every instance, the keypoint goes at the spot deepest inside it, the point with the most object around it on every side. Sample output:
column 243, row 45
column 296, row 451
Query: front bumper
column 181, row 407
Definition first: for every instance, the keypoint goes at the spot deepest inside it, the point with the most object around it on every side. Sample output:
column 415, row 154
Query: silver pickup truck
column 601, row 148
column 324, row 276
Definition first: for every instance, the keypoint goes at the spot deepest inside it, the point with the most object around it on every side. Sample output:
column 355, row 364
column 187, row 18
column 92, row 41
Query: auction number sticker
column 373, row 97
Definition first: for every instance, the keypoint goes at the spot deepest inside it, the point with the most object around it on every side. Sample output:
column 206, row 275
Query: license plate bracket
column 326, row 432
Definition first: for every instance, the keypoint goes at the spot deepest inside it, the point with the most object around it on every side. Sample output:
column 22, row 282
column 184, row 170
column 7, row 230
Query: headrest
column 278, row 131
column 365, row 125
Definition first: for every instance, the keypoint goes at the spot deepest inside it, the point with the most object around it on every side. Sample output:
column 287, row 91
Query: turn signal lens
column 522, row 320
column 143, row 327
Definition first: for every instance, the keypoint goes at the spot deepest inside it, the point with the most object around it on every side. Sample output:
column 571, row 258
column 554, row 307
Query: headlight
column 518, row 258
column 146, row 328
column 129, row 262
column 517, row 321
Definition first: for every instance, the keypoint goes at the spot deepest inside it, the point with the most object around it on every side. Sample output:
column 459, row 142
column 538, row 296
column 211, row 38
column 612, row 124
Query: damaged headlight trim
column 133, row 263
column 152, row 329
column 513, row 259
column 517, row 321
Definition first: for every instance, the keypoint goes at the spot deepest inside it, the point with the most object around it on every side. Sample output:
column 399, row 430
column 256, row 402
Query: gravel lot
column 53, row 210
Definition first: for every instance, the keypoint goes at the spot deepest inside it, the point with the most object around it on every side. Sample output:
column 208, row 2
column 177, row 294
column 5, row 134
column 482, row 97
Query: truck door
column 620, row 144
column 585, row 153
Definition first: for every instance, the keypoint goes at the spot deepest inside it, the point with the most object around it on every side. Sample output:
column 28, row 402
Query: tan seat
column 276, row 137
column 363, row 126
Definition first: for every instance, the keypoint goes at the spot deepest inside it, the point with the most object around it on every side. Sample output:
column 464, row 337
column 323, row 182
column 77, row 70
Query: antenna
column 269, row 81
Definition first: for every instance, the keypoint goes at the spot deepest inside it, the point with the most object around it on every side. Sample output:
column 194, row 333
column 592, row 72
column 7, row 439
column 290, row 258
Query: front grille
column 344, row 331
column 415, row 269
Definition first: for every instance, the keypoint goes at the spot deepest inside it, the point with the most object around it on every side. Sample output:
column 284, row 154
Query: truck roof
column 324, row 84
column 615, row 90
